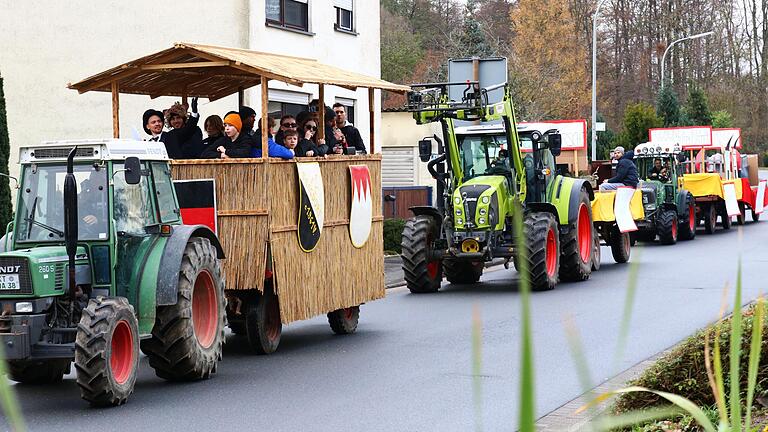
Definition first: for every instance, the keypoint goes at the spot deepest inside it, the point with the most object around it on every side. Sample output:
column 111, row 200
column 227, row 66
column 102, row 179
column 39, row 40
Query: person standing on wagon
column 153, row 124
column 233, row 144
column 184, row 140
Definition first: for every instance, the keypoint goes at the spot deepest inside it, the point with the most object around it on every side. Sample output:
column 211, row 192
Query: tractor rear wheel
column 422, row 275
column 710, row 218
column 188, row 336
column 543, row 255
column 666, row 225
column 39, row 371
column 263, row 324
column 462, row 272
column 577, row 245
column 687, row 223
column 620, row 247
column 742, row 216
column 344, row 321
column 107, row 351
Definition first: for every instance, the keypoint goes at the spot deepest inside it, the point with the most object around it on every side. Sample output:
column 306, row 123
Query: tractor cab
column 658, row 169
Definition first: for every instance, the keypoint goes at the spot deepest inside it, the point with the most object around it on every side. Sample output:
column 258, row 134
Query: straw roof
column 214, row 72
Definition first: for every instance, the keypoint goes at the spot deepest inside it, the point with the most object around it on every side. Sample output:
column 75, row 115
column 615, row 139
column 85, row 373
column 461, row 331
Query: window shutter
column 344, row 4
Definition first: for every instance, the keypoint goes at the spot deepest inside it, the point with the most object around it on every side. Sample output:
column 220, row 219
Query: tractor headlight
column 457, row 200
column 458, row 212
column 24, row 307
column 481, row 221
column 459, row 221
column 483, row 211
column 485, row 200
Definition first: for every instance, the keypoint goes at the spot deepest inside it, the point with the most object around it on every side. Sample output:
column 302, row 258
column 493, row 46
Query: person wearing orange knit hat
column 233, row 144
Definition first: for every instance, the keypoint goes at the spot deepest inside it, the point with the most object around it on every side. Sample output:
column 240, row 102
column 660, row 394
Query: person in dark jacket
column 184, row 140
column 233, row 144
column 153, row 124
column 287, row 123
column 248, row 117
column 308, row 143
column 214, row 127
column 324, row 145
column 351, row 135
column 626, row 171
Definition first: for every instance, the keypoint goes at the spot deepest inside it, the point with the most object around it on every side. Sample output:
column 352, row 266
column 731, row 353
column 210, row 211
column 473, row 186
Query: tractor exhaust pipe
column 70, row 219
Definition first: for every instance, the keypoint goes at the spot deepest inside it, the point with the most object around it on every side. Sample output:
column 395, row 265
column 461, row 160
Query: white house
column 46, row 44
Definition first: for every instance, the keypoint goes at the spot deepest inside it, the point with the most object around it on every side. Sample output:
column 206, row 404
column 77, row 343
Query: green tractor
column 487, row 180
column 97, row 264
column 670, row 210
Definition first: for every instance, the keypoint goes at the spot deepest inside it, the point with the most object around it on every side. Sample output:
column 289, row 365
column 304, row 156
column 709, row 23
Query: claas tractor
column 670, row 210
column 97, row 264
column 482, row 181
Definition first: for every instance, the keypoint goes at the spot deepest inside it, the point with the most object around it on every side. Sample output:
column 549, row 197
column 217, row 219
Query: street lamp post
column 664, row 57
column 594, row 78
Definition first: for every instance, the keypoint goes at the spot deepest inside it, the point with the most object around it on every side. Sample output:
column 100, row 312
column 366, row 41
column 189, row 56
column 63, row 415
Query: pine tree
column 472, row 41
column 638, row 118
column 697, row 107
column 6, row 212
column 667, row 107
column 722, row 119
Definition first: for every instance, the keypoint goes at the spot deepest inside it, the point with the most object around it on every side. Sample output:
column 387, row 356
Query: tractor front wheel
column 38, row 372
column 577, row 245
column 188, row 336
column 344, row 321
column 687, row 223
column 620, row 247
column 666, row 225
column 263, row 324
column 462, row 272
column 107, row 351
column 422, row 274
column 543, row 250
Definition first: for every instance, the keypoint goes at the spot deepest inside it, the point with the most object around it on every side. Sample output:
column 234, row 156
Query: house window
column 343, row 15
column 293, row 14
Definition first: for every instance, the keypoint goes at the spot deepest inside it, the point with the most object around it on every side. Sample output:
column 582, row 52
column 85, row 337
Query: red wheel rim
column 674, row 228
column 551, row 259
column 584, row 233
column 273, row 319
column 692, row 217
column 205, row 313
column 432, row 268
column 122, row 358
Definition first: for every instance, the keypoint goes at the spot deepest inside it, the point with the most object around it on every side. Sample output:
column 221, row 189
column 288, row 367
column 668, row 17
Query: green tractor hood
column 476, row 204
column 39, row 272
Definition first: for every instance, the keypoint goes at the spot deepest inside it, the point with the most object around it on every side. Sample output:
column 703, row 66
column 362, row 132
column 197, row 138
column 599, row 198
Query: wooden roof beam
column 184, row 65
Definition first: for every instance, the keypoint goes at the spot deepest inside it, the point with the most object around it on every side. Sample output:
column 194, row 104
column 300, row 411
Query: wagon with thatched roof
column 301, row 237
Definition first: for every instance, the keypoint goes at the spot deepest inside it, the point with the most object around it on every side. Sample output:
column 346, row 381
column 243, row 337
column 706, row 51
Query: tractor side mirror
column 555, row 143
column 132, row 170
column 425, row 150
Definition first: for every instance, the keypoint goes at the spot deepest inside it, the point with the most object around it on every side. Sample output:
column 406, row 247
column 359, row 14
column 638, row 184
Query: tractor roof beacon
column 483, row 181
column 97, row 262
column 670, row 210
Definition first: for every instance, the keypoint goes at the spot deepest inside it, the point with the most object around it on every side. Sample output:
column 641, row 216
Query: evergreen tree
column 6, row 212
column 472, row 41
column 697, row 107
column 638, row 118
column 722, row 119
column 667, row 107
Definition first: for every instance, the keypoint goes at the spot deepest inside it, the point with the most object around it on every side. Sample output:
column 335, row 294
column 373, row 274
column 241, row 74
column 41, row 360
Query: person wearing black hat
column 153, row 124
column 248, row 117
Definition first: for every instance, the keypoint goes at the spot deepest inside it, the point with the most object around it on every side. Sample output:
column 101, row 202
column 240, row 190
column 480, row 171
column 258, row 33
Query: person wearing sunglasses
column 308, row 143
column 287, row 122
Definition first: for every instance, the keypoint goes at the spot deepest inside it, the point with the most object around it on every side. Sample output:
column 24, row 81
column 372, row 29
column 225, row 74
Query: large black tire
column 596, row 255
column 687, row 222
column 576, row 246
column 188, row 337
column 742, row 216
column 107, row 351
column 710, row 218
column 620, row 247
column 542, row 243
column 666, row 224
column 462, row 272
column 344, row 321
column 263, row 325
column 421, row 275
column 38, row 371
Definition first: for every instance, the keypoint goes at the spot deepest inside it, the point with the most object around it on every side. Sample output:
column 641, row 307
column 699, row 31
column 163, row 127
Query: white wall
column 400, row 130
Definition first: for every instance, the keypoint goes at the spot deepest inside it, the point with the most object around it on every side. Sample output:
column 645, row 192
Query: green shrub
column 682, row 371
column 393, row 232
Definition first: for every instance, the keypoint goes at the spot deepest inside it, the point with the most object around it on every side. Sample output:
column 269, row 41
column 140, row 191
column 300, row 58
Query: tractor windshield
column 479, row 152
column 654, row 168
column 41, row 206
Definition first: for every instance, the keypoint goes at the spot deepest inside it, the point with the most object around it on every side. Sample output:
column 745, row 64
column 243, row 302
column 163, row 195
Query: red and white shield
column 361, row 211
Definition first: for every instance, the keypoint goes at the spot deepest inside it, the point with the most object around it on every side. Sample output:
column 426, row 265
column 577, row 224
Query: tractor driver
column 653, row 174
column 92, row 206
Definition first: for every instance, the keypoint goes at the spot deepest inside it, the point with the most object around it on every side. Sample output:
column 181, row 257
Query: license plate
column 9, row 282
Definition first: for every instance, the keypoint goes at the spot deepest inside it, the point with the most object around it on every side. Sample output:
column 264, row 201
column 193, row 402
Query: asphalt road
column 409, row 367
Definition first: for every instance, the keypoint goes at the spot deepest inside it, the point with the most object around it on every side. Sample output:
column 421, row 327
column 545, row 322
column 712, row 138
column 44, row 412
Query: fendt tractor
column 485, row 183
column 670, row 210
column 97, row 262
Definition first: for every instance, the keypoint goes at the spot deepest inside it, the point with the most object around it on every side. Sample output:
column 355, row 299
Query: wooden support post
column 321, row 112
column 115, row 110
column 576, row 163
column 264, row 117
column 241, row 97
column 371, row 119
